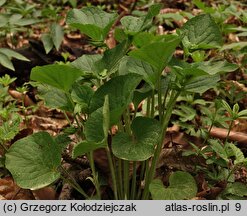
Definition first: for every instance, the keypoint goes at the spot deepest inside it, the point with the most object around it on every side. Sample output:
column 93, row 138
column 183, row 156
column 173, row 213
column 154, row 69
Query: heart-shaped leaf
column 54, row 98
column 201, row 32
column 158, row 53
column 98, row 121
column 81, row 95
column 92, row 21
column 134, row 25
column 132, row 65
column 112, row 57
column 141, row 145
column 181, row 186
column 58, row 76
column 89, row 64
column 93, row 124
column 33, row 161
column 120, row 91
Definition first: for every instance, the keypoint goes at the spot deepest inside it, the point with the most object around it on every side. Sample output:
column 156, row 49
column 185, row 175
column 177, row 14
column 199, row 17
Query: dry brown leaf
column 46, row 193
column 10, row 191
column 19, row 96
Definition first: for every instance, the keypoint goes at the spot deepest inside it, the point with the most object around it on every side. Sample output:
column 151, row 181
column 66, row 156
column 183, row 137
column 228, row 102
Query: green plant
column 53, row 38
column 222, row 159
column 7, row 54
column 15, row 17
column 116, row 75
column 9, row 118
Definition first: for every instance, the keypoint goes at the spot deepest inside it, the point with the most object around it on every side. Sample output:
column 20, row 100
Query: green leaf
column 120, row 90
column 201, row 84
column 86, row 146
column 54, row 98
column 141, row 94
column 73, row 3
column 201, row 32
column 181, row 186
column 234, row 46
column 34, row 160
column 226, row 106
column 239, row 156
column 185, row 71
column 24, row 22
column 201, row 5
column 98, row 121
column 132, row 65
column 141, row 146
column 119, row 34
column 12, row 54
column 82, row 94
column 92, row 21
column 134, row 25
column 5, row 61
column 62, row 140
column 143, row 38
column 185, row 113
column 158, row 54
column 10, row 128
column 216, row 67
column 153, row 11
column 236, row 188
column 2, row 2
column 112, row 57
column 94, row 131
column 242, row 113
column 47, row 42
column 3, row 20
column 14, row 18
column 172, row 16
column 89, row 64
column 56, row 35
column 219, row 149
column 58, row 76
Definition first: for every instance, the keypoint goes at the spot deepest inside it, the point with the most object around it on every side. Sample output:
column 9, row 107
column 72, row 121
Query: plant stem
column 143, row 165
column 133, row 184
column 126, row 116
column 73, row 183
column 229, row 130
column 160, row 99
column 113, row 175
column 120, row 179
column 67, row 118
column 126, row 179
column 148, row 107
column 165, row 123
column 153, row 105
column 95, row 176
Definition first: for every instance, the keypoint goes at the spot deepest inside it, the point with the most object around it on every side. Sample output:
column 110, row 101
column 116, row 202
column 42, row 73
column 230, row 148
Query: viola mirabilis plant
column 139, row 57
